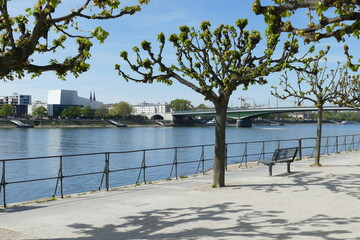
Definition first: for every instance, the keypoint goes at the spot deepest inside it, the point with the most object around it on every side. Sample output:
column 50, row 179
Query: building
column 35, row 105
column 18, row 102
column 58, row 100
column 160, row 111
column 151, row 108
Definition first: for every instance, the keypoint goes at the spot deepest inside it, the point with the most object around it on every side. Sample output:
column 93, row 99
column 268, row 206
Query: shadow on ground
column 211, row 222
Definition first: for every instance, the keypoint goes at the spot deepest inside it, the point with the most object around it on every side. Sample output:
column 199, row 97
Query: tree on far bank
column 40, row 112
column 213, row 63
column 318, row 85
column 121, row 109
column 46, row 28
column 101, row 112
column 87, row 112
column 71, row 112
column 6, row 110
column 202, row 107
column 180, row 105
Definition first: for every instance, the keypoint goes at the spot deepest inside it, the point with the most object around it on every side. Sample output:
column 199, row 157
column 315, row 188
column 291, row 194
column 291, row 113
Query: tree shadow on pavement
column 220, row 221
column 348, row 184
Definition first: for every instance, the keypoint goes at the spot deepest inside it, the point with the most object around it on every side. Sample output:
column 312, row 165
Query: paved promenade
column 310, row 203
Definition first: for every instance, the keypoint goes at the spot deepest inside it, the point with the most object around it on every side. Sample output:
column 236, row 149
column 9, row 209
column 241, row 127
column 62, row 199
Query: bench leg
column 288, row 167
column 270, row 170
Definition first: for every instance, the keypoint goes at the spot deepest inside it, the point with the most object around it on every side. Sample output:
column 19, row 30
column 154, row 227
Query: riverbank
column 93, row 123
column 310, row 202
column 78, row 123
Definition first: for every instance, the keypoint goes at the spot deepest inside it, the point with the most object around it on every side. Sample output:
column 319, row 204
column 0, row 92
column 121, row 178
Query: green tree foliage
column 180, row 105
column 341, row 116
column 327, row 19
column 213, row 63
column 87, row 112
column 201, row 107
column 40, row 112
column 46, row 28
column 121, row 109
column 71, row 112
column 330, row 18
column 101, row 112
column 319, row 85
column 6, row 110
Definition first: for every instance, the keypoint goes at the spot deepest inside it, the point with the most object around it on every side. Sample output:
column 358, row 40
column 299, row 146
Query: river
column 36, row 142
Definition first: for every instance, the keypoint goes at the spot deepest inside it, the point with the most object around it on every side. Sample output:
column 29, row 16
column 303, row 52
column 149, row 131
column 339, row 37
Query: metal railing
column 146, row 164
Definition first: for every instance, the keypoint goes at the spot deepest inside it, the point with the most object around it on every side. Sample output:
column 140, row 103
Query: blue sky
column 126, row 32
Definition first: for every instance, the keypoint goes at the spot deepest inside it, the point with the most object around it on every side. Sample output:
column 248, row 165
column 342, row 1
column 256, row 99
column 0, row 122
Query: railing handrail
column 164, row 148
column 174, row 163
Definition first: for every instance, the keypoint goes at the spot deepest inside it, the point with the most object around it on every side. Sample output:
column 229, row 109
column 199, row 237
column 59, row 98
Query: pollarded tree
column 180, row 105
column 44, row 28
column 320, row 85
column 327, row 19
column 214, row 64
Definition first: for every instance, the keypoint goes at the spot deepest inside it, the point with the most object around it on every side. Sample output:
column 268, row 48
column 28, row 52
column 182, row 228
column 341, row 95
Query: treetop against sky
column 128, row 31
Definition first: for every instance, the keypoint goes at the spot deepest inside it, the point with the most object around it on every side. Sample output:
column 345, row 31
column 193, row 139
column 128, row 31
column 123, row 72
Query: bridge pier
column 245, row 122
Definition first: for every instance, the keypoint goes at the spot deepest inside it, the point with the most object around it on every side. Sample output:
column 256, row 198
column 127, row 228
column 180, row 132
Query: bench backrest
column 285, row 153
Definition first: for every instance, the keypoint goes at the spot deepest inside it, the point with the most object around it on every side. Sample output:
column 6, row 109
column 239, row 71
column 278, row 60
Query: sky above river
column 126, row 32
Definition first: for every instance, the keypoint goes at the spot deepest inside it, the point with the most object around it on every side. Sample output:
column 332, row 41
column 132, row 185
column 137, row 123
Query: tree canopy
column 327, row 18
column 6, row 110
column 213, row 63
column 39, row 111
column 180, row 105
column 320, row 84
column 121, row 109
column 45, row 28
column 71, row 112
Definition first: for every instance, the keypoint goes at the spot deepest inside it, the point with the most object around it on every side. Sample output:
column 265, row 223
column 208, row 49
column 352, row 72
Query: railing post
column 144, row 166
column 107, row 171
column 60, row 178
column 3, row 183
column 345, row 144
column 337, row 144
column 300, row 148
column 226, row 156
column 201, row 161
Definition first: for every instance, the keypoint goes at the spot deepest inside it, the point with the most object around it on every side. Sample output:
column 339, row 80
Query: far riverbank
column 95, row 123
column 74, row 123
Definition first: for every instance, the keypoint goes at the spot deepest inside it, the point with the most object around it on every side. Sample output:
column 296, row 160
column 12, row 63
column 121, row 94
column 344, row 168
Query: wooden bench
column 282, row 155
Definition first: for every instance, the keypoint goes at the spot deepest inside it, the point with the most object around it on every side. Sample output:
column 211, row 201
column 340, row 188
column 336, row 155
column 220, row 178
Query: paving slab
column 309, row 203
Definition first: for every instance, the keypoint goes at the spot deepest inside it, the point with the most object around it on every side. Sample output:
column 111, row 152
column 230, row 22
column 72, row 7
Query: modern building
column 58, row 100
column 18, row 102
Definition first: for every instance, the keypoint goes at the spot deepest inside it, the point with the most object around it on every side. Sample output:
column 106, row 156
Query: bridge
column 244, row 115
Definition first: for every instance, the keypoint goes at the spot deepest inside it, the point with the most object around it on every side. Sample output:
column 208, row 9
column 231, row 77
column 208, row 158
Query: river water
column 37, row 142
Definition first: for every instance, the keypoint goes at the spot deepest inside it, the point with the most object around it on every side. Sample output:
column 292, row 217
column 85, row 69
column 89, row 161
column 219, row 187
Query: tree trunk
column 318, row 137
column 220, row 145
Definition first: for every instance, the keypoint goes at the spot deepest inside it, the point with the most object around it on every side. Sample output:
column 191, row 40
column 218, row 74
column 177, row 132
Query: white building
column 35, row 105
column 160, row 111
column 58, row 100
column 151, row 108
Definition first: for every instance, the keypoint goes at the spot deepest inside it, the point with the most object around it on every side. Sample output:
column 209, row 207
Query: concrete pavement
column 309, row 203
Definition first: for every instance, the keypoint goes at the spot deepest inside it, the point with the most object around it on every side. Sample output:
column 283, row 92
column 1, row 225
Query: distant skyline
column 126, row 32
